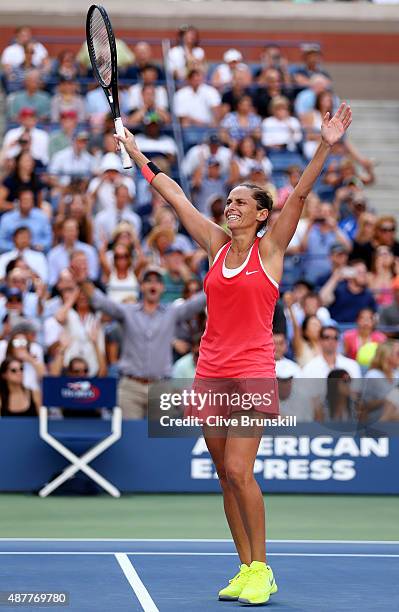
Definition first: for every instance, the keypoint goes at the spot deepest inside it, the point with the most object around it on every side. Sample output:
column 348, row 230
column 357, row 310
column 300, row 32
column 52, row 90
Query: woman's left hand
column 333, row 129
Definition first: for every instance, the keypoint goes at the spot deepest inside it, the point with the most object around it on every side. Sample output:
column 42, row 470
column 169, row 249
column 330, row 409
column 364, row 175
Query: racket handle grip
column 120, row 130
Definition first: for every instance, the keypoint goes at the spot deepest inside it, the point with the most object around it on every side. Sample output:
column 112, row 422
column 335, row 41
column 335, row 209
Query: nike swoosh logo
column 254, row 272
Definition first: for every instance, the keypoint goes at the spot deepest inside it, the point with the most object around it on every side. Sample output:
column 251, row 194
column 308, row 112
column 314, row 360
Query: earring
column 261, row 232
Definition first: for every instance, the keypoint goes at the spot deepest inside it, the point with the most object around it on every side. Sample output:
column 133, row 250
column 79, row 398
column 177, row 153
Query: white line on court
column 135, row 582
column 201, row 554
column 216, row 540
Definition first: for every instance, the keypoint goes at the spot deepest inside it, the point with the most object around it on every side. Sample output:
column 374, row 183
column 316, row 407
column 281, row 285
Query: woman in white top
column 186, row 54
column 281, row 130
column 380, row 380
column 121, row 281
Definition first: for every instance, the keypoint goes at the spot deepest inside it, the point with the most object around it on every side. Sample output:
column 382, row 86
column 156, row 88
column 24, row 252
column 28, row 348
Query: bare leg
column 240, row 455
column 216, row 447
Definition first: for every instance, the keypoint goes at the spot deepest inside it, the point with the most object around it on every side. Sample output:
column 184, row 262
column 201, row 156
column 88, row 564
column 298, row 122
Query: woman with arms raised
column 242, row 289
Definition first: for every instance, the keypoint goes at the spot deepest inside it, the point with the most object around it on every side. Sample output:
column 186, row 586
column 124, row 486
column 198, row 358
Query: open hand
column 333, row 129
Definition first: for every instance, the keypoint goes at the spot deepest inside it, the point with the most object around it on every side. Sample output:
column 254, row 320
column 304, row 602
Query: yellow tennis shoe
column 236, row 585
column 259, row 585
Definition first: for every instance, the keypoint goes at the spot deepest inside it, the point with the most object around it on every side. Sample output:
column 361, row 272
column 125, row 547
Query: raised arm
column 332, row 131
column 208, row 235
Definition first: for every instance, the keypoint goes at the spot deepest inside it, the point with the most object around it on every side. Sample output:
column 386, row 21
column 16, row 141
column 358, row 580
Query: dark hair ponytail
column 263, row 201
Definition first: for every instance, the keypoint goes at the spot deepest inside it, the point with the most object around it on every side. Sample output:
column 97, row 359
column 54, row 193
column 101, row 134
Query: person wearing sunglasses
column 385, row 234
column 339, row 402
column 15, row 398
column 330, row 358
column 22, row 347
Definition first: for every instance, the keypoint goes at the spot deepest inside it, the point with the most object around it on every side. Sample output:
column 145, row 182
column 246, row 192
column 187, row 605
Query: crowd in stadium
column 68, row 211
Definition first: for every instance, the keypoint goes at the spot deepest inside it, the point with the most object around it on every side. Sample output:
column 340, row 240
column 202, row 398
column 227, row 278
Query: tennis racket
column 103, row 58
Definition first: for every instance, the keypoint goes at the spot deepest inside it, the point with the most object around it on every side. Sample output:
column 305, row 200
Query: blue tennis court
column 170, row 575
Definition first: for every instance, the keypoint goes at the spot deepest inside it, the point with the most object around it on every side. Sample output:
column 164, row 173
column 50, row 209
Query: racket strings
column 101, row 47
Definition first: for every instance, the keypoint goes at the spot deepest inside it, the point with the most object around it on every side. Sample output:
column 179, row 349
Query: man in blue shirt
column 26, row 215
column 59, row 256
column 346, row 292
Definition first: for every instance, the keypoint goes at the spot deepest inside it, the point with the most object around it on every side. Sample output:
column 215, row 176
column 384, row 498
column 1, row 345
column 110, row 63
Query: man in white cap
column 102, row 187
column 223, row 73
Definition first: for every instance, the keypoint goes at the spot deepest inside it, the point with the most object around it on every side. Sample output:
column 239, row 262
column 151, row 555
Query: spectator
column 339, row 254
column 23, row 290
column 14, row 54
column 72, row 162
column 63, row 137
column 206, row 181
column 152, row 142
column 223, row 74
column 148, row 108
column 59, row 256
column 330, row 358
column 356, row 206
column 212, row 147
column 75, row 206
column 65, row 285
column 340, row 401
column 362, row 244
column 197, row 104
column 239, row 87
column 306, row 340
column 270, row 86
column 84, row 335
column 22, row 346
column 381, row 275
column 67, row 99
column 346, row 293
column 22, row 248
column 166, row 218
column 362, row 334
column 321, row 234
column 309, row 215
column 27, row 216
column 187, row 54
column 380, row 380
column 23, row 177
column 65, row 66
column 248, row 154
column 291, row 392
column 148, row 331
column 143, row 56
column 30, row 97
column 107, row 220
column 119, row 275
column 134, row 95
column 385, row 233
column 176, row 274
column 272, row 59
column 294, row 174
column 311, row 122
column 14, row 79
column 39, row 139
column 97, row 107
column 389, row 315
column 311, row 55
column 281, row 130
column 242, row 122
column 305, row 101
column 102, row 187
column 15, row 398
column 184, row 368
column 280, row 350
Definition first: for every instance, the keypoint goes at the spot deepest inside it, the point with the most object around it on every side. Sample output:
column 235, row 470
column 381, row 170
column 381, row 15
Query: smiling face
column 242, row 210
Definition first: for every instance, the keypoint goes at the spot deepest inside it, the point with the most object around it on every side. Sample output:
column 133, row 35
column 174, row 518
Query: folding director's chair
column 79, row 394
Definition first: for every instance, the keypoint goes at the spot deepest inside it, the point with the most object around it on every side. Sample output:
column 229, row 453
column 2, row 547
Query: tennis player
column 242, row 289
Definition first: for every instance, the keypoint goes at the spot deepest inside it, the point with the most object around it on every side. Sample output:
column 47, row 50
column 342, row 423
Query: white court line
column 138, row 587
column 212, row 540
column 202, row 554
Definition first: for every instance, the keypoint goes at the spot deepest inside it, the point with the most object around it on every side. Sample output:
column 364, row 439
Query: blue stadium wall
column 315, row 461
